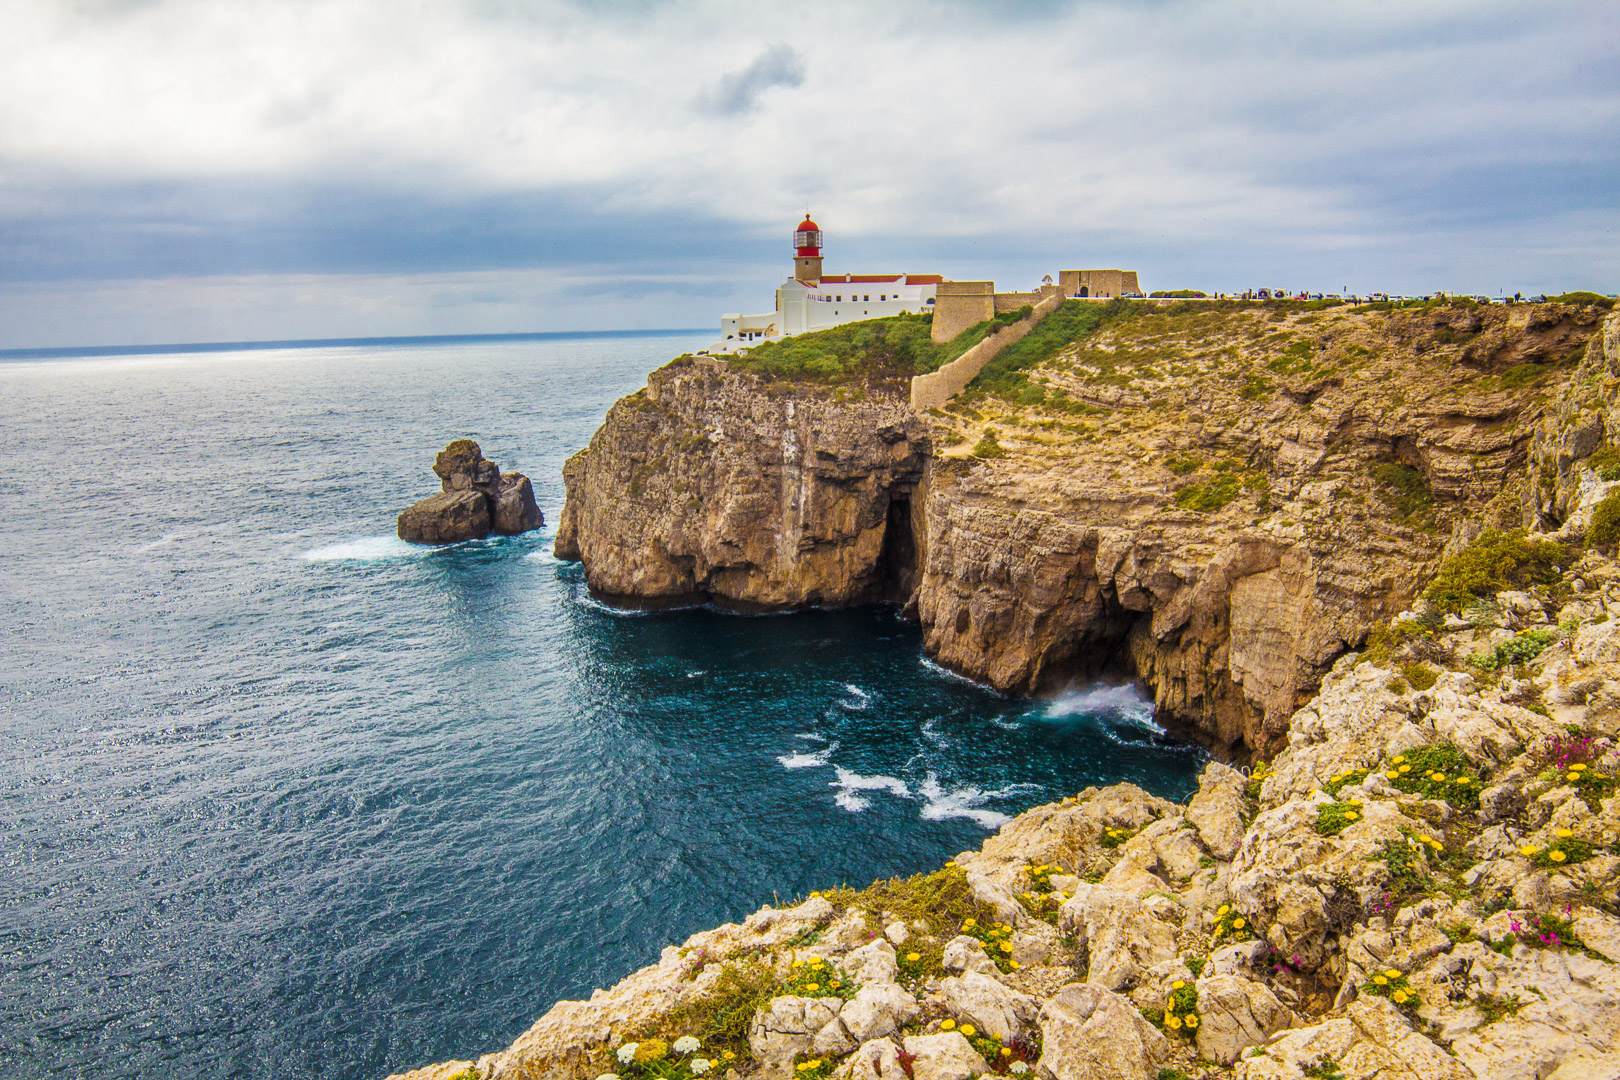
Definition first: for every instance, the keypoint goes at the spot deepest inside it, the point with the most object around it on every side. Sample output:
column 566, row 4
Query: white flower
column 686, row 1044
column 701, row 1066
column 627, row 1053
column 1018, row 1068
column 608, row 1076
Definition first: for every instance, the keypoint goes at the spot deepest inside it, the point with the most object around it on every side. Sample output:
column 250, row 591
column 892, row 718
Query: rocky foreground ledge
column 1421, row 886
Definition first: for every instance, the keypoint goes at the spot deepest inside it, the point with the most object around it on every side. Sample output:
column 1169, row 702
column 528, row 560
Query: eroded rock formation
column 1220, row 503
column 477, row 499
column 1341, row 916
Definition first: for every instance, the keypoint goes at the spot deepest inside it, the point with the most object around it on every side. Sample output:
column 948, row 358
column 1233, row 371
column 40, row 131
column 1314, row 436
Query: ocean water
column 281, row 796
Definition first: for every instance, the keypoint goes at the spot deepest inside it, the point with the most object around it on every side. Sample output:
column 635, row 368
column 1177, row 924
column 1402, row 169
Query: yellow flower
column 969, row 1030
column 1577, row 768
column 1223, row 909
column 1399, row 996
column 1355, row 802
column 1006, row 1051
column 1006, row 947
column 1398, row 759
column 1014, row 964
column 969, row 924
column 1380, row 980
column 835, row 984
column 1437, row 845
column 801, row 1066
column 1565, row 834
column 1172, row 1022
column 1392, row 973
column 1555, row 855
column 947, row 1024
column 1192, row 1020
column 728, row 1055
column 811, row 988
column 1350, row 815
column 1572, row 777
column 1392, row 774
column 1425, row 840
column 1406, row 768
column 1178, row 984
column 913, row 957
column 1237, row 924
column 1529, row 849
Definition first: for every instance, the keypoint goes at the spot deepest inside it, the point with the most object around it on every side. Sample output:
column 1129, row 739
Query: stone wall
column 959, row 305
column 1104, row 283
column 938, row 387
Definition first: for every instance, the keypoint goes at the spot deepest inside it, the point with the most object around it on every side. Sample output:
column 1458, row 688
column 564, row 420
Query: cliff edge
column 1219, row 500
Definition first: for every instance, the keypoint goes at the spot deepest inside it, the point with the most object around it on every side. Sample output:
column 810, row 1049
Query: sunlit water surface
column 283, row 796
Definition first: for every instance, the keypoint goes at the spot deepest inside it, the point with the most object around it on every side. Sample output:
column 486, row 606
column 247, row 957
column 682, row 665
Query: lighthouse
column 807, row 252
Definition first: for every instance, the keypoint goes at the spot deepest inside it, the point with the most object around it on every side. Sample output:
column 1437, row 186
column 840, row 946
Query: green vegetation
column 1522, row 375
column 1334, row 817
column 1255, row 388
column 1605, row 461
column 1522, row 648
column 1345, row 779
column 1420, row 676
column 720, row 1021
column 1404, row 490
column 1495, row 561
column 1321, row 1068
column 1605, row 527
column 1436, row 772
column 1211, row 494
column 1182, row 464
column 1494, row 1007
column 1178, row 294
column 1581, row 297
column 988, row 446
column 892, row 348
column 1072, row 321
column 817, row 978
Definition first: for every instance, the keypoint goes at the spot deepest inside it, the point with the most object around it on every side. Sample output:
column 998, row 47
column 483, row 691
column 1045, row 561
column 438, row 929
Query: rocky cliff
column 1421, row 886
column 1219, row 500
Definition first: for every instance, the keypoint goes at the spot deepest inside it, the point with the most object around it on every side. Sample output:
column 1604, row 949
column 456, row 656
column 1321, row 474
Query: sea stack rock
column 476, row 499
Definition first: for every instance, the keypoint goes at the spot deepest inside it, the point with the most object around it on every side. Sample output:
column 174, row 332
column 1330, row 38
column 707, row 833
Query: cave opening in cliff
column 897, row 560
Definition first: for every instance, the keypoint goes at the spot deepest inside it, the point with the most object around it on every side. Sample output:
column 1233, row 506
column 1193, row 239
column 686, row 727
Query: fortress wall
column 936, row 388
column 959, row 305
column 1012, row 301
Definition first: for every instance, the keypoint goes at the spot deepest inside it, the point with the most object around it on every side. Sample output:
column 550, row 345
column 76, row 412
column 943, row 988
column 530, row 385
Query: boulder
column 462, row 466
column 875, row 1012
column 1217, row 810
column 1235, row 1014
column 989, row 1005
column 963, row 953
column 475, row 499
column 787, row 1026
column 946, row 1056
column 1124, row 936
column 447, row 518
column 515, row 508
column 874, row 962
column 1089, row 1033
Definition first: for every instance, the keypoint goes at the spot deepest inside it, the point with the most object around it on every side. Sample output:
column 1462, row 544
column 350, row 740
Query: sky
column 202, row 170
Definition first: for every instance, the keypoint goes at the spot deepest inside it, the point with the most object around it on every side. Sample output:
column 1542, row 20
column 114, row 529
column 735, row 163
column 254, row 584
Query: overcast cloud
column 187, row 169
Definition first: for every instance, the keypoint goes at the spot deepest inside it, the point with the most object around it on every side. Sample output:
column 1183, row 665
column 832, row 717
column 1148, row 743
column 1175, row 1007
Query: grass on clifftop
column 892, row 348
column 1495, row 561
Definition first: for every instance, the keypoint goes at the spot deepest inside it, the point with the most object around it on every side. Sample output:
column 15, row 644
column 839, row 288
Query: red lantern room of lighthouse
column 807, row 252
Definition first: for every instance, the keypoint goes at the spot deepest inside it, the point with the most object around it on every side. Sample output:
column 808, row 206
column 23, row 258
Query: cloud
column 1213, row 144
column 739, row 91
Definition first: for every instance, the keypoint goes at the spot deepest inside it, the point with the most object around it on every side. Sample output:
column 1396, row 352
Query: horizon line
column 64, row 352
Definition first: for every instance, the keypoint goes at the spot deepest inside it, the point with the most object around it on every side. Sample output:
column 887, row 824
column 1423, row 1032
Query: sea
column 283, row 796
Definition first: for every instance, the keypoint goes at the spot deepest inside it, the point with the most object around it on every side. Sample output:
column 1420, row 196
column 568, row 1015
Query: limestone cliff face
column 713, row 487
column 1220, row 502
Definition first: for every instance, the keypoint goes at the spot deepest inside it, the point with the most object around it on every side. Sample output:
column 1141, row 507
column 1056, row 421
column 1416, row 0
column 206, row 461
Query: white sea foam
column 852, row 802
column 585, row 600
column 936, row 737
column 1119, row 704
column 850, row 784
column 858, row 701
column 968, row 802
column 808, row 761
column 365, row 549
column 946, row 673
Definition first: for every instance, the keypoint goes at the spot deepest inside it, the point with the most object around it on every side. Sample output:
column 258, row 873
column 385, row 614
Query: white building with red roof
column 810, row 300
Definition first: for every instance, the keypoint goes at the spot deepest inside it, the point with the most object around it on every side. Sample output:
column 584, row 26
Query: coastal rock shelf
column 477, row 499
column 1219, row 502
column 1420, row 886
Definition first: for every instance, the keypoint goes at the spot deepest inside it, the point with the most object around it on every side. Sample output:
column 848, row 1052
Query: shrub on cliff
column 1605, row 528
column 1495, row 561
column 1072, row 321
column 893, row 348
column 1404, row 490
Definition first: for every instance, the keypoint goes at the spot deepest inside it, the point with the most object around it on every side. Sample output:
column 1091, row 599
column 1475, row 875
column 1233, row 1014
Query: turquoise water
column 282, row 796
